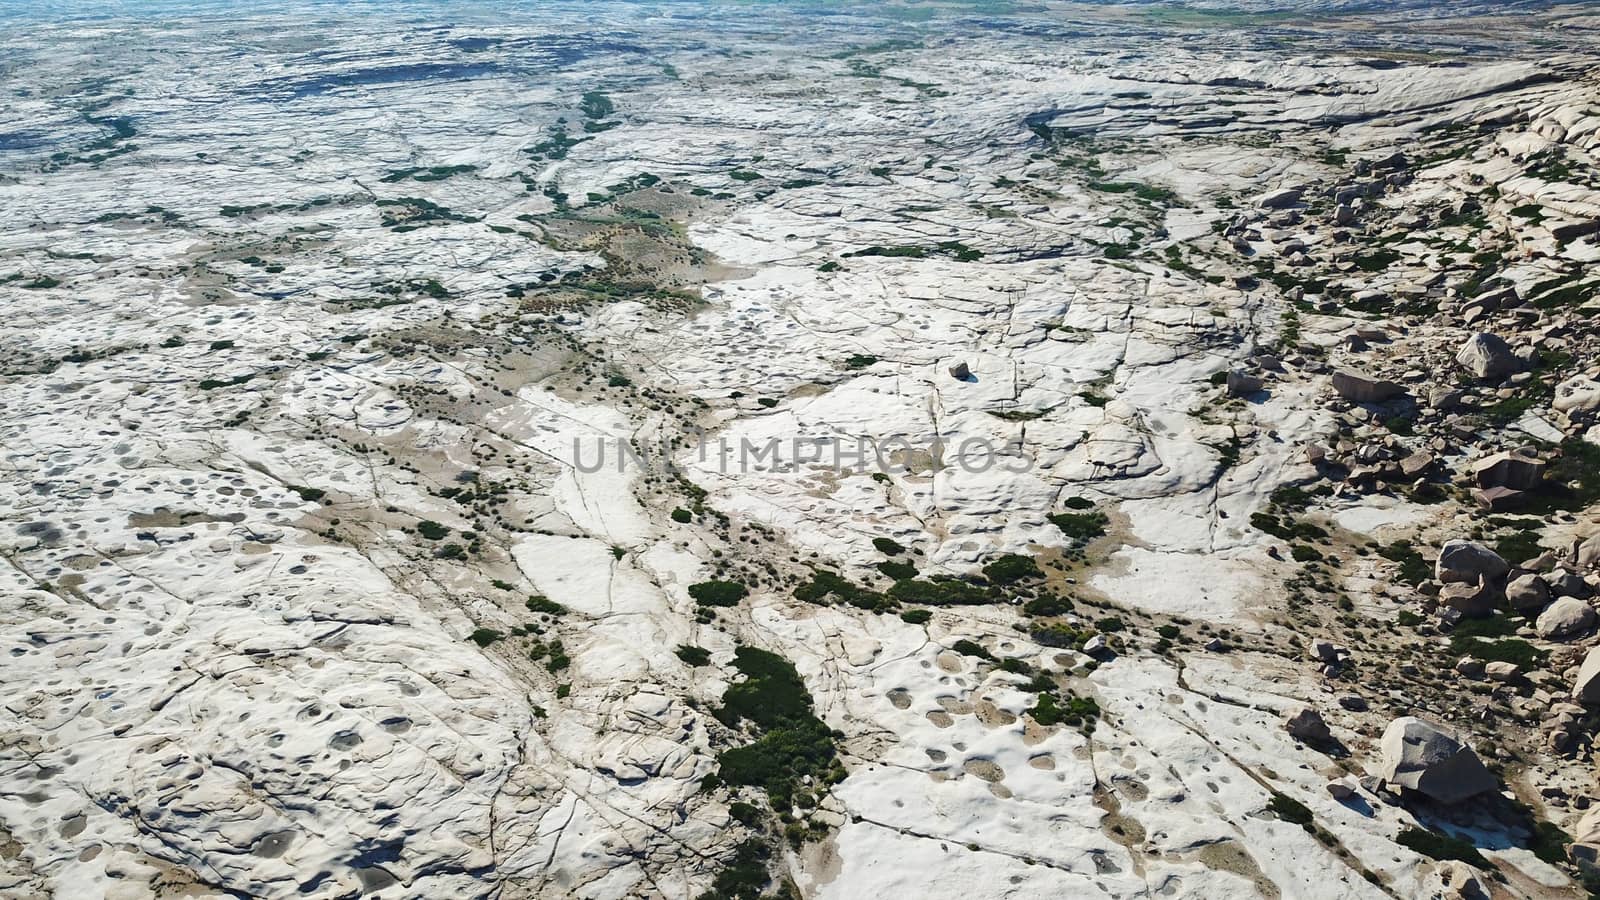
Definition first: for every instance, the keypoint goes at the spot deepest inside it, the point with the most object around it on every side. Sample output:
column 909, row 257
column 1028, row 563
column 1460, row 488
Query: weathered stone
column 1567, row 232
column 1416, row 464
column 1306, row 724
column 1527, row 593
column 1501, row 671
column 960, row 371
column 1423, row 757
column 1282, row 198
column 1241, row 385
column 1508, row 470
column 1564, row 618
column 1585, row 848
column 1499, row 499
column 1473, row 601
column 1578, row 394
column 1359, row 388
column 1325, row 651
column 1487, row 356
column 1461, row 881
column 1567, row 583
column 1444, row 399
column 1586, row 686
column 1468, row 562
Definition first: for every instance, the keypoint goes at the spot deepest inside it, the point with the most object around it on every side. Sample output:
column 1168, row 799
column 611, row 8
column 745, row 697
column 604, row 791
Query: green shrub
column 1048, row 710
column 539, row 603
column 1434, row 845
column 718, row 593
column 897, row 570
column 694, row 656
column 1290, row 810
column 794, row 743
column 432, row 530
column 1414, row 570
column 1511, row 650
column 682, row 516
column 1047, row 606
column 1305, row 553
column 1082, row 527
column 1058, row 634
column 483, row 637
column 971, row 648
column 917, row 616
column 825, row 584
column 1011, row 568
column 939, row 592
column 888, row 546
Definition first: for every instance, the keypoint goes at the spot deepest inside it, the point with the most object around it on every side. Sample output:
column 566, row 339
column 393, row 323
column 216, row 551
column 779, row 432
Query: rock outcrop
column 1468, row 562
column 1422, row 757
column 1487, row 356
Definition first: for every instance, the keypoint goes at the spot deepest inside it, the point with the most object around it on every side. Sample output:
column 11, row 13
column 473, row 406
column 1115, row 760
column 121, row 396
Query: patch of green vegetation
column 888, row 546
column 539, row 603
column 971, row 648
column 1048, row 605
column 917, row 616
column 1049, row 710
column 1511, row 650
column 1290, row 810
column 745, row 175
column 694, row 656
column 432, row 530
column 483, row 637
column 403, row 214
column 1414, row 570
column 860, row 361
column 745, row 877
column 554, row 147
column 1287, row 528
column 1549, row 843
column 42, row 282
column 825, row 584
column 1146, row 192
column 211, row 384
column 682, row 516
column 940, row 591
column 426, row 173
column 1011, row 568
column 308, row 494
column 596, row 105
column 1058, row 634
column 1519, row 546
column 1081, row 527
column 1572, row 479
column 1304, row 553
column 1377, row 261
column 794, row 745
column 953, row 249
column 1434, row 845
column 718, row 593
column 899, row 571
